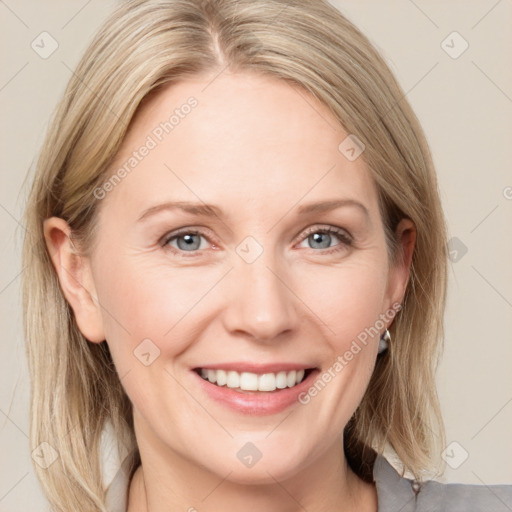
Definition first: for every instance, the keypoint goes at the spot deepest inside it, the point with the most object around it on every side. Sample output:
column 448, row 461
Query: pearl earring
column 384, row 342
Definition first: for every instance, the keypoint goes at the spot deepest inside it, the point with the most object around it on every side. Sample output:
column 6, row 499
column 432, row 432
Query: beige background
column 465, row 106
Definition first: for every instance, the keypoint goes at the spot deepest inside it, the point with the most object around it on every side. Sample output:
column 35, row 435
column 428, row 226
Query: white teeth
column 281, row 380
column 248, row 381
column 233, row 380
column 222, row 377
column 212, row 376
column 291, row 378
column 267, row 382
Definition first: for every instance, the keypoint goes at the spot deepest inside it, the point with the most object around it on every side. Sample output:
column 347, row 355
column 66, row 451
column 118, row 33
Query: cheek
column 151, row 300
column 148, row 314
column 347, row 299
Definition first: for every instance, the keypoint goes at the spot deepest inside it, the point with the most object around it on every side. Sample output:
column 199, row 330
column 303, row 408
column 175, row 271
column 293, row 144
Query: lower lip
column 256, row 402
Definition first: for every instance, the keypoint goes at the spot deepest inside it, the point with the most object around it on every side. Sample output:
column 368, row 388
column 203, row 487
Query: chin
column 260, row 462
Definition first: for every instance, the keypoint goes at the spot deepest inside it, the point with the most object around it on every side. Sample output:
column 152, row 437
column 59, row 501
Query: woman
column 237, row 267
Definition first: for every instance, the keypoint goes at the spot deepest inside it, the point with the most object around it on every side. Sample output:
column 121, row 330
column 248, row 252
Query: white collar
column 115, row 463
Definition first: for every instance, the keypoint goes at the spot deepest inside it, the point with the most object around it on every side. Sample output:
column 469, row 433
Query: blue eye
column 321, row 238
column 187, row 241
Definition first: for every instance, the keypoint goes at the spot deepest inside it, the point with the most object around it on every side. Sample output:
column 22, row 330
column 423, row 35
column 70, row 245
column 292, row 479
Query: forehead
column 243, row 138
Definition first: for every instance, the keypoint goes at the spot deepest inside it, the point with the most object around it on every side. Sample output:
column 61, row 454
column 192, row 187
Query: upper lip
column 258, row 368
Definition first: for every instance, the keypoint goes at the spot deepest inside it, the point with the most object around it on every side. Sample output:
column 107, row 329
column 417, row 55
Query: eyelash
column 344, row 237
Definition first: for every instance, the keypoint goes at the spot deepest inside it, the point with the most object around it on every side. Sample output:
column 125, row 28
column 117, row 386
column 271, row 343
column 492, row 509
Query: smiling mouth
column 248, row 381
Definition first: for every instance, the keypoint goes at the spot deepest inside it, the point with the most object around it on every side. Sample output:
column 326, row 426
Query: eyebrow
column 206, row 210
column 325, row 206
column 210, row 210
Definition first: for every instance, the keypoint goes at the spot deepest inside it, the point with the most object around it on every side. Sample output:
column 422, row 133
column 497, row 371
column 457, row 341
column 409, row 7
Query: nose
column 261, row 304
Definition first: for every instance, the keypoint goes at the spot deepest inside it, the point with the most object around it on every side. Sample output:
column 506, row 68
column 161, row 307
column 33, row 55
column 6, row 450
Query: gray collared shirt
column 399, row 494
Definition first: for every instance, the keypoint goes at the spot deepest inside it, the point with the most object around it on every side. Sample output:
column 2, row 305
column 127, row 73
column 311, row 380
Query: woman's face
column 210, row 255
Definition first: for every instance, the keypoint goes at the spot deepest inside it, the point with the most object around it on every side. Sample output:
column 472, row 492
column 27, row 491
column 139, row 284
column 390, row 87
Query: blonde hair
column 145, row 44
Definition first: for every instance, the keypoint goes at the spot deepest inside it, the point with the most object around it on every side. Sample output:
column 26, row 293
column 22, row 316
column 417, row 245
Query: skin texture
column 258, row 148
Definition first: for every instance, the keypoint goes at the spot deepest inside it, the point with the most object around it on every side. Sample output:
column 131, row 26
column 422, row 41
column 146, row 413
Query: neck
column 167, row 481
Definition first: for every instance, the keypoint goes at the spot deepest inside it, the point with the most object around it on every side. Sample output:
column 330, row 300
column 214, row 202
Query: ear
column 75, row 278
column 399, row 271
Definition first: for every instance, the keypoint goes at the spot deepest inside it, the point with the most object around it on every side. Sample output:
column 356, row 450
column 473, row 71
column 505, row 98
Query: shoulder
column 395, row 492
